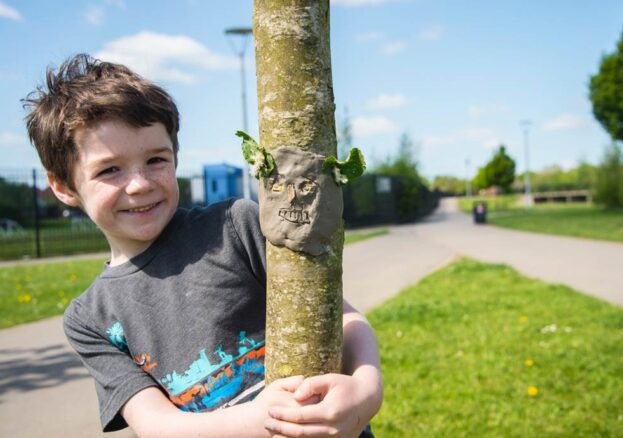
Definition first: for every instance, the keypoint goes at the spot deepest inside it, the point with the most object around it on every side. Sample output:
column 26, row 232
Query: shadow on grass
column 26, row 370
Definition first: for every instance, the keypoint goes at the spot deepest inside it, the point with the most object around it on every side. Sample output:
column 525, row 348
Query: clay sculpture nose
column 291, row 193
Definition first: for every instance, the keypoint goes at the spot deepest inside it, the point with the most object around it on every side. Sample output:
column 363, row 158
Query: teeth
column 141, row 209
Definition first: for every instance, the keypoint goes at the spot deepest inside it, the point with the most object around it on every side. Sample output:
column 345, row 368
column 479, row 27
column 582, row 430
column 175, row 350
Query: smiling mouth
column 143, row 209
column 294, row 215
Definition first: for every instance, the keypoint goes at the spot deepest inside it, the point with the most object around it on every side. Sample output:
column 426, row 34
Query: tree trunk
column 296, row 109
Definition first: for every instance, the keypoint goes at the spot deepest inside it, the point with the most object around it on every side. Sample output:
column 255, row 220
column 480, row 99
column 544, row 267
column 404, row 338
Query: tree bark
column 296, row 109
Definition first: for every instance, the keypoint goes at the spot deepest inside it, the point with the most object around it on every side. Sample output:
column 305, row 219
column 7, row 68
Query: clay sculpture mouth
column 294, row 215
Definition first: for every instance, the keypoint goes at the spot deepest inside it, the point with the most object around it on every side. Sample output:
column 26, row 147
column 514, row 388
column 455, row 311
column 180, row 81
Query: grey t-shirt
column 186, row 315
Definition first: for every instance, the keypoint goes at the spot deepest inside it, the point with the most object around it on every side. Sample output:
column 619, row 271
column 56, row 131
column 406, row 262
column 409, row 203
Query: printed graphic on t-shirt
column 116, row 336
column 206, row 385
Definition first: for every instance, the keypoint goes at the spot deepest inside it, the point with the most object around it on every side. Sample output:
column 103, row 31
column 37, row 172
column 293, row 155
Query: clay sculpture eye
column 277, row 184
column 307, row 187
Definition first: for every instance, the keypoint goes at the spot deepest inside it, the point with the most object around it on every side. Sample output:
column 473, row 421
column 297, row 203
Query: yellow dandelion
column 24, row 298
column 73, row 278
column 533, row 391
column 529, row 362
column 523, row 319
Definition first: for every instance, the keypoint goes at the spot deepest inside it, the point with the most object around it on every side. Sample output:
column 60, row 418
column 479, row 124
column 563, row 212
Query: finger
column 289, row 383
column 309, row 414
column 317, row 385
column 281, row 428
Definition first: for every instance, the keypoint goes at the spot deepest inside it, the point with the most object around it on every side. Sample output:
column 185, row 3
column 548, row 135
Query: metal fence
column 33, row 223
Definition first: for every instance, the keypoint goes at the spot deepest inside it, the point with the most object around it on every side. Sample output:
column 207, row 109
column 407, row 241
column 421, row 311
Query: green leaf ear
column 260, row 159
column 347, row 170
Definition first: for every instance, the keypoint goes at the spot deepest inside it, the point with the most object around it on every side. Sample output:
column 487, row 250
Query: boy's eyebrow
column 160, row 150
column 105, row 160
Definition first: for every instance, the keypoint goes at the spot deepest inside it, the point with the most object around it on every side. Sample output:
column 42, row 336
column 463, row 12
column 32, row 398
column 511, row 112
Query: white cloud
column 386, row 101
column 564, row 122
column 12, row 139
column 94, row 15
column 164, row 57
column 393, row 47
column 369, row 126
column 368, row 37
column 355, row 3
column 432, row 33
column 9, row 12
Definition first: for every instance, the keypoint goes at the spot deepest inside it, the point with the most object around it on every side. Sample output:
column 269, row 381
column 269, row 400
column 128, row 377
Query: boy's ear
column 62, row 192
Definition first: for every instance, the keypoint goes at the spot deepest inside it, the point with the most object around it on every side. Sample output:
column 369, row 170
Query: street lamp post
column 525, row 124
column 232, row 33
column 468, row 181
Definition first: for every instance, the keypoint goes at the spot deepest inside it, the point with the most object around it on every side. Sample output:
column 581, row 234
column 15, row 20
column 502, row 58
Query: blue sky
column 457, row 76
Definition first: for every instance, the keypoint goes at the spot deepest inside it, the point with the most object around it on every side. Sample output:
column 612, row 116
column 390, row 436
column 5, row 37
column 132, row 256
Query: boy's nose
column 138, row 182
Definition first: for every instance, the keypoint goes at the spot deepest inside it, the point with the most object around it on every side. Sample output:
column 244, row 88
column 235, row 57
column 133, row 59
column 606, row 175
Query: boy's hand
column 344, row 409
column 278, row 393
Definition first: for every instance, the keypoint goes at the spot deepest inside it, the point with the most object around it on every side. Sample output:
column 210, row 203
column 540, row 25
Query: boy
column 173, row 329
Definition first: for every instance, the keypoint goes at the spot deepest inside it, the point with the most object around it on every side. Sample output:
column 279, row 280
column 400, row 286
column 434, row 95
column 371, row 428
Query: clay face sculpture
column 300, row 206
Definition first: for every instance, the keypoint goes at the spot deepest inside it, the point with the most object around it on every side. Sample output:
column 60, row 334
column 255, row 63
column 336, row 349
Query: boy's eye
column 155, row 160
column 108, row 171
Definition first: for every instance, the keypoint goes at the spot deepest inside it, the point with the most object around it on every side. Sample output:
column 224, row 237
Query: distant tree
column 606, row 92
column 500, row 172
column 609, row 184
column 449, row 184
column 480, row 181
column 555, row 178
column 414, row 198
column 16, row 201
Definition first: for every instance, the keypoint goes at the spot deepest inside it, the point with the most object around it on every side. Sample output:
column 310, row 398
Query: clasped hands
column 329, row 405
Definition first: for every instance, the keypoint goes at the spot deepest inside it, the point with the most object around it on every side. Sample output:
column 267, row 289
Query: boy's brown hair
column 83, row 92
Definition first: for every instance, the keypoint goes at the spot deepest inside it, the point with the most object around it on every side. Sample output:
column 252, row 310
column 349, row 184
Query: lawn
column 576, row 220
column 477, row 350
column 52, row 242
column 494, row 203
column 40, row 290
column 35, row 291
column 356, row 236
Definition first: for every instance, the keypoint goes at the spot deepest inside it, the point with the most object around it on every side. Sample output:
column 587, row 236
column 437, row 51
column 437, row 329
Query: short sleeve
column 244, row 215
column 117, row 376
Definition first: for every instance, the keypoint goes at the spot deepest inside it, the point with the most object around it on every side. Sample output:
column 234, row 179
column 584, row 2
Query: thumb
column 317, row 385
column 289, row 384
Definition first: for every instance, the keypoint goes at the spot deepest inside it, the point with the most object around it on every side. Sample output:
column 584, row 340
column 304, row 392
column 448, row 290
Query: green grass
column 577, row 221
column 53, row 242
column 36, row 291
column 454, row 351
column 494, row 203
column 40, row 290
column 357, row 236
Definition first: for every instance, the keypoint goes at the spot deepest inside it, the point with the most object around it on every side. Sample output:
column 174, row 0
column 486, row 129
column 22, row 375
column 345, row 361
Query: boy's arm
column 348, row 402
column 151, row 414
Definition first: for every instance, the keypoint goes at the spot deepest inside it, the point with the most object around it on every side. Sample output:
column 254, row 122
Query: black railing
column 33, row 223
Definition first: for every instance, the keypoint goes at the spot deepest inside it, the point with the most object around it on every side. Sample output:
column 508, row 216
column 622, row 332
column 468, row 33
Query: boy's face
column 125, row 181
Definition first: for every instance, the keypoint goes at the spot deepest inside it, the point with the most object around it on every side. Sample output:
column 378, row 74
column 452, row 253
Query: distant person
column 172, row 330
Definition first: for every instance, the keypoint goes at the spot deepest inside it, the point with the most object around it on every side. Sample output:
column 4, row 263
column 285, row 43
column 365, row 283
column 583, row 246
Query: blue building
column 221, row 181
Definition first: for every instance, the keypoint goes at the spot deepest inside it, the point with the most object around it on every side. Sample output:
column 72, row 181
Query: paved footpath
column 45, row 391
